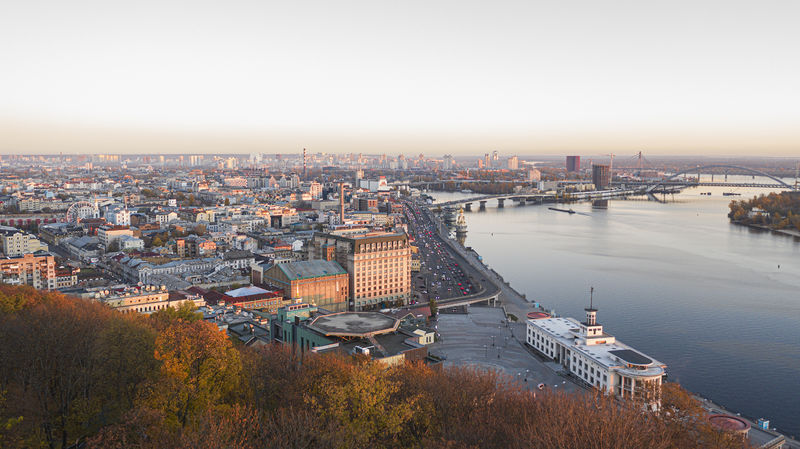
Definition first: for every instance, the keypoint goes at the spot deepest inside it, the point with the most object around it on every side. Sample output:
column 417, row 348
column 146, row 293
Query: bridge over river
column 671, row 184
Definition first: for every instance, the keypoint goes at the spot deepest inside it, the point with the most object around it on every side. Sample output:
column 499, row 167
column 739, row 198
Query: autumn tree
column 199, row 368
column 124, row 361
column 360, row 399
column 164, row 318
column 50, row 368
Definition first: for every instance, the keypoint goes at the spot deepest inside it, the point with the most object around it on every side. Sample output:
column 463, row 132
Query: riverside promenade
column 513, row 302
column 516, row 304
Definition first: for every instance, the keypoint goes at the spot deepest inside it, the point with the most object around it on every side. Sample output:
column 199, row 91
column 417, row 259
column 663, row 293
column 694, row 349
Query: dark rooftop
column 632, row 357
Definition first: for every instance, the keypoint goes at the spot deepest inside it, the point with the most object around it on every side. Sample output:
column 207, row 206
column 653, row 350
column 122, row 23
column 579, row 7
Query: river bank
column 786, row 232
column 675, row 279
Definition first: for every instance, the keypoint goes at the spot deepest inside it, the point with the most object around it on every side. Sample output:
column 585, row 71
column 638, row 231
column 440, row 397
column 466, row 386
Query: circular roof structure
column 354, row 324
column 729, row 423
column 538, row 315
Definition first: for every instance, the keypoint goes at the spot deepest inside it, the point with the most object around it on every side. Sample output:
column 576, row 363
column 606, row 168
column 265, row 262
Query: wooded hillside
column 74, row 371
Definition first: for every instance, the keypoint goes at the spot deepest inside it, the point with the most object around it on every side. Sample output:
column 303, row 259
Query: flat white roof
column 566, row 330
column 246, row 291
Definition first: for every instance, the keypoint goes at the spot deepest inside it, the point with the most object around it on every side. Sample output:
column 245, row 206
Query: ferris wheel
column 81, row 210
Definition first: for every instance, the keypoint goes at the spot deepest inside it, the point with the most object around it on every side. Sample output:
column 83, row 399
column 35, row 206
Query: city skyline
column 460, row 78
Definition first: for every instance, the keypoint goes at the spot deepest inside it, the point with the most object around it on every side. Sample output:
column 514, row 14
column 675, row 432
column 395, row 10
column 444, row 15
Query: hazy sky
column 528, row 77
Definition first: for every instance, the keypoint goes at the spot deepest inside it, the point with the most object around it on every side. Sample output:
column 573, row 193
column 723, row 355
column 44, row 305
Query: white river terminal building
column 597, row 358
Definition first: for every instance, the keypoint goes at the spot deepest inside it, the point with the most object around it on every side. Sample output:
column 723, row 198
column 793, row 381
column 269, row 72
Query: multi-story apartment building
column 66, row 276
column 513, row 163
column 118, row 216
column 54, row 233
column 378, row 265
column 110, row 234
column 16, row 243
column 163, row 218
column 37, row 270
column 33, row 204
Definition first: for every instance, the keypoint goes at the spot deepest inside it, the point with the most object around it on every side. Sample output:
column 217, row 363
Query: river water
column 718, row 303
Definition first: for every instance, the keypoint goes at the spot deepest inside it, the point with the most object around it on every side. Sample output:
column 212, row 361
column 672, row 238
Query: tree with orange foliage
column 360, row 399
column 199, row 367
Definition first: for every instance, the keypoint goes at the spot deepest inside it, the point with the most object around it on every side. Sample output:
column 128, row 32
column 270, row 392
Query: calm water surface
column 718, row 303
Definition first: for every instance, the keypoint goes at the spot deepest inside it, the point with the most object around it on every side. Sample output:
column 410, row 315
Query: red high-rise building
column 573, row 163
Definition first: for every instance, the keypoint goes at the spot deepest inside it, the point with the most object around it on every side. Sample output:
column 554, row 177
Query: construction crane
column 796, row 172
column 611, row 166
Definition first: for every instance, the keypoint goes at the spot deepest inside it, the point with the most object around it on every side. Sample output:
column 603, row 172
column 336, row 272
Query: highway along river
column 719, row 303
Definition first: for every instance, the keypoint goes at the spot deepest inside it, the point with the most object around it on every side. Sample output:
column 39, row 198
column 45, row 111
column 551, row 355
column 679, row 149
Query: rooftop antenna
column 591, row 312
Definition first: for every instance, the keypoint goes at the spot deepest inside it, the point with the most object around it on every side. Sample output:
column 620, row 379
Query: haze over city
column 414, row 224
column 713, row 78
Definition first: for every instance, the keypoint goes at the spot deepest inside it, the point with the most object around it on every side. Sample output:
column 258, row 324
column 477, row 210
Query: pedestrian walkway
column 482, row 339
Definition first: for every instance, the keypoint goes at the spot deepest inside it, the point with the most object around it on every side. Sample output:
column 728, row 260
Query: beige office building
column 378, row 266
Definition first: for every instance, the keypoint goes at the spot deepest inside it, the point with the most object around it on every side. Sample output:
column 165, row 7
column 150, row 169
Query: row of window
column 586, row 371
column 589, row 372
column 377, row 292
column 379, row 300
column 381, row 255
column 383, row 246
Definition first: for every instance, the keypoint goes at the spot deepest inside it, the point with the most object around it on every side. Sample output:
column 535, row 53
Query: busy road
column 444, row 276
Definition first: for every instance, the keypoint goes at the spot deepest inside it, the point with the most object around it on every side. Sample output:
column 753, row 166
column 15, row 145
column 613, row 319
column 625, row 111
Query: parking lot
column 481, row 338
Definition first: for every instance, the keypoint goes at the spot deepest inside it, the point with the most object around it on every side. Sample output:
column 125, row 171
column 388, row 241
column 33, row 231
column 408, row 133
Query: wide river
column 718, row 303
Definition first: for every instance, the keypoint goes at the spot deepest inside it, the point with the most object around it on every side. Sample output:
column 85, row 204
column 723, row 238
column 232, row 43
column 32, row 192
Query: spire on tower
column 591, row 312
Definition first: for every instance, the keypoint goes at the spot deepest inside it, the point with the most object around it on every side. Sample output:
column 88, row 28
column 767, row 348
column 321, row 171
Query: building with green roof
column 323, row 283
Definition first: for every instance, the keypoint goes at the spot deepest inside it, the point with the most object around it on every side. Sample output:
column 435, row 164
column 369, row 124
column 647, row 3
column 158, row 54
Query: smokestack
column 305, row 174
column 341, row 203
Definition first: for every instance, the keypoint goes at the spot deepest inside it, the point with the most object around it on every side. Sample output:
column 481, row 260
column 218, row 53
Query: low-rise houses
column 251, row 297
column 141, row 270
column 145, row 299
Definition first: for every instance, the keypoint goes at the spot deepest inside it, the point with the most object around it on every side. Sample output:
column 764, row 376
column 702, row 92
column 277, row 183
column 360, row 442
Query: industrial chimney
column 341, row 203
